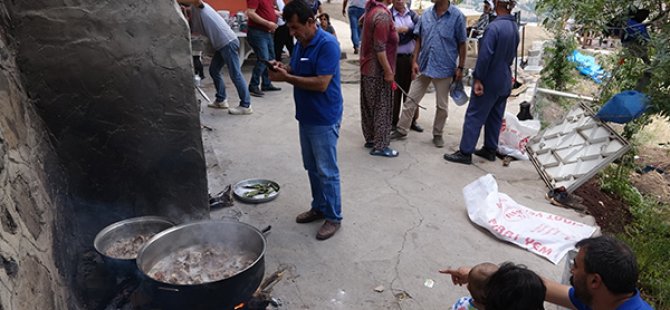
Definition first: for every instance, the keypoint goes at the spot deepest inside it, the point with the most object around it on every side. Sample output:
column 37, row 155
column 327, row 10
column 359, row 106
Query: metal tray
column 240, row 189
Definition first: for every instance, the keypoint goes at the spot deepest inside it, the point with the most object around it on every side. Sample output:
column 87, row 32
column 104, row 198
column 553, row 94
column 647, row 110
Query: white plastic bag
column 514, row 136
column 545, row 234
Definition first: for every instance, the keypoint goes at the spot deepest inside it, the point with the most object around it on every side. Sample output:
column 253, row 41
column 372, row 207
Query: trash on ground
column 402, row 295
column 649, row 168
column 379, row 289
column 507, row 160
column 588, row 66
column 545, row 234
column 560, row 197
column 222, row 199
column 515, row 134
column 429, row 283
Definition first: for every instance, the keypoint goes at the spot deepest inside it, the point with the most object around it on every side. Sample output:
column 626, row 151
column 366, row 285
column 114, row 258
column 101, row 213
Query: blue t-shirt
column 633, row 303
column 320, row 57
column 635, row 32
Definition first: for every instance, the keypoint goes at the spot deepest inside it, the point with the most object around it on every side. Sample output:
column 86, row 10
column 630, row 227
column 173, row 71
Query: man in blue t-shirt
column 604, row 274
column 315, row 75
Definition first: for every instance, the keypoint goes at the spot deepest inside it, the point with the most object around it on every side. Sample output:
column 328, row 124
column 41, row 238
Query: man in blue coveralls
column 492, row 86
column 315, row 76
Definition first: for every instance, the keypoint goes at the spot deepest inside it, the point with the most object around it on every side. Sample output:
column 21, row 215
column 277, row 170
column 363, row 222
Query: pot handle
column 168, row 289
column 266, row 230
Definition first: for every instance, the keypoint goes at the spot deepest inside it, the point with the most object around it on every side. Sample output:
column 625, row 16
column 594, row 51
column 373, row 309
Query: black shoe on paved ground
column 270, row 88
column 327, row 230
column 416, row 128
column 486, row 154
column 459, row 157
column 309, row 216
column 396, row 135
column 438, row 141
column 254, row 91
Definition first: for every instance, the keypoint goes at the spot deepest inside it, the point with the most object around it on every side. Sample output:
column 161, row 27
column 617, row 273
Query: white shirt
column 280, row 6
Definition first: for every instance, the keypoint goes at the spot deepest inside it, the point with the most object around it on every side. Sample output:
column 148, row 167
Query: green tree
column 629, row 68
column 559, row 72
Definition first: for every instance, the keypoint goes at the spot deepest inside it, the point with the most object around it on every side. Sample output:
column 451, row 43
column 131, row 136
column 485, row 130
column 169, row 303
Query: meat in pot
column 201, row 264
column 127, row 248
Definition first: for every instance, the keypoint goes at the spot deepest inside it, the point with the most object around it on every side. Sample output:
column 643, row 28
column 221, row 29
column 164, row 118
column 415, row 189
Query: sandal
column 386, row 152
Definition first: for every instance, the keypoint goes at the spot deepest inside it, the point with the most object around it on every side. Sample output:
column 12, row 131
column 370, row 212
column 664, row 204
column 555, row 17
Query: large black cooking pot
column 221, row 294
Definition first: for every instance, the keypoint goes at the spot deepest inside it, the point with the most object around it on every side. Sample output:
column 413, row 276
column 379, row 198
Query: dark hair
column 298, row 8
column 613, row 260
column 326, row 16
column 514, row 287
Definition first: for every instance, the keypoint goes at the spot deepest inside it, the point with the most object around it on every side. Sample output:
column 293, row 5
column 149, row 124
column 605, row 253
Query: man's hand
column 273, row 26
column 459, row 74
column 278, row 64
column 458, row 276
column 389, row 76
column 279, row 74
column 402, row 29
column 415, row 70
column 478, row 88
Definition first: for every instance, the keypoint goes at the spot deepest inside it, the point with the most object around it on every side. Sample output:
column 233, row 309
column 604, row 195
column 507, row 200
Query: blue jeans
column 354, row 14
column 228, row 55
column 263, row 45
column 319, row 156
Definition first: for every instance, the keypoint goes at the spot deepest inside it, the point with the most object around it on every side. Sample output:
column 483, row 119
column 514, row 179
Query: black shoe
column 254, row 91
column 459, row 157
column 355, row 50
column 396, row 135
column 416, row 128
column 486, row 154
column 270, row 88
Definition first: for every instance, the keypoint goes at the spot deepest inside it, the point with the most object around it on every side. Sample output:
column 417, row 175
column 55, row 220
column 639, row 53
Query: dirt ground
column 656, row 181
column 610, row 212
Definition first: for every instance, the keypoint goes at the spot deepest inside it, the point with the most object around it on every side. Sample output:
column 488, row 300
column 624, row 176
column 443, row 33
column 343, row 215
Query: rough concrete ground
column 404, row 218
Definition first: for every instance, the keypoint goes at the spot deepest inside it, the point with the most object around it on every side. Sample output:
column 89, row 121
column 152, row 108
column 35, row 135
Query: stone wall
column 29, row 278
column 101, row 124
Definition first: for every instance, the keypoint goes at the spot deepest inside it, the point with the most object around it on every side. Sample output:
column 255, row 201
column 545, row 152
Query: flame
column 240, row 306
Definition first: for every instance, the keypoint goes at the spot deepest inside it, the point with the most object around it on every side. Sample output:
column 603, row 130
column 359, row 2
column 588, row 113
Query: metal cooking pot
column 221, row 294
column 128, row 228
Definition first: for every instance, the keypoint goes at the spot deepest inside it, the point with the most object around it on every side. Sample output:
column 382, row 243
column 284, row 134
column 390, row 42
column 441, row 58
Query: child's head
column 324, row 18
column 515, row 287
column 477, row 279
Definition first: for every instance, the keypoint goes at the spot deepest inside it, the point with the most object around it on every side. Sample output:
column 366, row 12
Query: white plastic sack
column 545, row 234
column 514, row 136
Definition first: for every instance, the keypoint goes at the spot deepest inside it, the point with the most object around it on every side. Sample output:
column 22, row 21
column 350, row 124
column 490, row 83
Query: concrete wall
column 29, row 278
column 104, row 126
